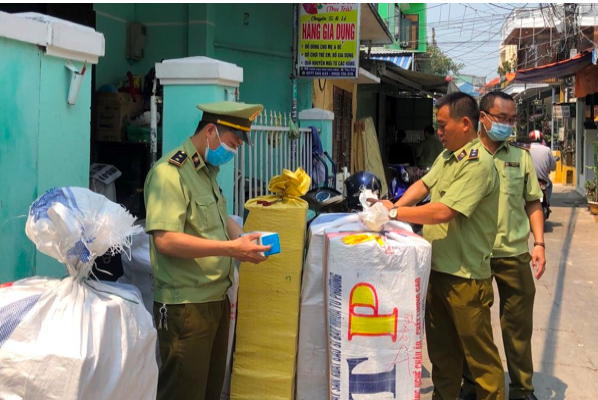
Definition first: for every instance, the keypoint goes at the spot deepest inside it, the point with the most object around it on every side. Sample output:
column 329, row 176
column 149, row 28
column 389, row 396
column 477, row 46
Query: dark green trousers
column 517, row 291
column 459, row 330
column 193, row 350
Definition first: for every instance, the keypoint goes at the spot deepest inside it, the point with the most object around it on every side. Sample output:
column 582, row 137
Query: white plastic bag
column 76, row 338
column 373, row 216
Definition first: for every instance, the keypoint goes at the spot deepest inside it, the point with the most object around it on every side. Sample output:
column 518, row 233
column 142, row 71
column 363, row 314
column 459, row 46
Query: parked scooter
column 325, row 199
column 545, row 201
column 403, row 177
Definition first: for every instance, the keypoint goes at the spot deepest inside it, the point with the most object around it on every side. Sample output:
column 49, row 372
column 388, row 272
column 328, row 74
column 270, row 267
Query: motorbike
column 324, row 199
column 545, row 201
column 401, row 177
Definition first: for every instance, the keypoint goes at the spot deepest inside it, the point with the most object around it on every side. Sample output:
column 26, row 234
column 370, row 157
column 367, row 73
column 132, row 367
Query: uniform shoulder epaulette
column 524, row 146
column 474, row 154
column 178, row 158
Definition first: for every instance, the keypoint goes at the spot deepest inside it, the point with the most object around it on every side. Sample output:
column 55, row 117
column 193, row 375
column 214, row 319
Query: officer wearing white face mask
column 192, row 243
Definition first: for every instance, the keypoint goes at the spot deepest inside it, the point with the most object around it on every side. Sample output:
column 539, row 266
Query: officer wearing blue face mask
column 192, row 244
column 519, row 209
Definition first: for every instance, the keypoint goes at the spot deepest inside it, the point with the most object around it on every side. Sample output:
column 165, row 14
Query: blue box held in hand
column 267, row 239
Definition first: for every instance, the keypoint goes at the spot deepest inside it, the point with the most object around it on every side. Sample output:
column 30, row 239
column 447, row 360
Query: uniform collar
column 458, row 154
column 194, row 157
column 504, row 145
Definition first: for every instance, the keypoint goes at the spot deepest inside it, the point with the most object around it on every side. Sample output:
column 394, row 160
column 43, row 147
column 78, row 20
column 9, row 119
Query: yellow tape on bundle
column 353, row 240
column 269, row 294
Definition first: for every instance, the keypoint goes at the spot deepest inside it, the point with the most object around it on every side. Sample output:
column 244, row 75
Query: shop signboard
column 562, row 111
column 329, row 40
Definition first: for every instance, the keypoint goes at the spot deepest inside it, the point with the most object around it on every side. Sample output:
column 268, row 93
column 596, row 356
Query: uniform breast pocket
column 207, row 216
column 513, row 181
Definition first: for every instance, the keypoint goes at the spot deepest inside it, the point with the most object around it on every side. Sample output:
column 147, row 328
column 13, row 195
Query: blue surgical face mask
column 221, row 155
column 498, row 132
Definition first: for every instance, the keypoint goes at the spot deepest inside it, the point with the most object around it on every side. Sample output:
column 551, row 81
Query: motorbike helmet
column 357, row 183
column 536, row 136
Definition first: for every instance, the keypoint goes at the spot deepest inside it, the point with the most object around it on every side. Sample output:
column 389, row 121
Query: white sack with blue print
column 375, row 293
column 76, row 337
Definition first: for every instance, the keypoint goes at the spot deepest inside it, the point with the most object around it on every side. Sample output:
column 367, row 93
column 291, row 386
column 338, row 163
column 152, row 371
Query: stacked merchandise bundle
column 76, row 338
column 268, row 298
column 370, row 289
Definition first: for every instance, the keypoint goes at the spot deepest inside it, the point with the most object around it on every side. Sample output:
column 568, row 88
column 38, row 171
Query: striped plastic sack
column 76, row 337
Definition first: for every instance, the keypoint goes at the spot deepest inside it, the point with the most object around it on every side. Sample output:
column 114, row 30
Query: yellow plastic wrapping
column 269, row 294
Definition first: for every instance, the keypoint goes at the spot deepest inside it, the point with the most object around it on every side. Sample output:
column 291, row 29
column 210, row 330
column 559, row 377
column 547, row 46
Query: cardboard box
column 113, row 110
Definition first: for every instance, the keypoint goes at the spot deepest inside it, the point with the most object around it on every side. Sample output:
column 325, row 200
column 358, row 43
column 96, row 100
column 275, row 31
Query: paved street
column 565, row 342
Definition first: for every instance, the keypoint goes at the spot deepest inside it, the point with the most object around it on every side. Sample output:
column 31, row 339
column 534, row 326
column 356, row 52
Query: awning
column 400, row 61
column 419, row 81
column 366, row 78
column 586, row 81
column 556, row 70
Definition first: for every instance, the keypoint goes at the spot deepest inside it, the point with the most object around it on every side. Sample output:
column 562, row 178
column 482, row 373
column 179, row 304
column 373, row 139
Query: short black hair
column 487, row 102
column 429, row 129
column 203, row 124
column 461, row 105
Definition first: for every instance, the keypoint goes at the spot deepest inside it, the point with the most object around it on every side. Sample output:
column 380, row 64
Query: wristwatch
column 393, row 212
column 539, row 244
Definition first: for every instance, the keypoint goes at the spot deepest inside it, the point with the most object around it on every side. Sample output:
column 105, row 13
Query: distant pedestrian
column 543, row 159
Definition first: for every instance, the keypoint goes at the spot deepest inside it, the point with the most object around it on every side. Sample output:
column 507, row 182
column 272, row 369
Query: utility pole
column 570, row 28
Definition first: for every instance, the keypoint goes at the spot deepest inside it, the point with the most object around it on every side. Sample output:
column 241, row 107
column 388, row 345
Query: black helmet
column 357, row 183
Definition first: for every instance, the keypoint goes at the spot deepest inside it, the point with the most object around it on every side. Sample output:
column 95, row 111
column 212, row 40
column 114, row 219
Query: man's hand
column 539, row 261
column 244, row 250
column 386, row 203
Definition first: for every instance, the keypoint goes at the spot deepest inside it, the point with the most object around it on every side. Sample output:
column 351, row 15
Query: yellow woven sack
column 269, row 294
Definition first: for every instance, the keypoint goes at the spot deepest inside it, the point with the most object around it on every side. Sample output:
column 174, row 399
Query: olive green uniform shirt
column 428, row 151
column 467, row 182
column 187, row 199
column 518, row 184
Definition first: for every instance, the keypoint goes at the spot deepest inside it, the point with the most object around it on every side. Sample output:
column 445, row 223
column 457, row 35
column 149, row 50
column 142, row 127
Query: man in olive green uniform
column 192, row 243
column 429, row 149
column 460, row 223
column 519, row 208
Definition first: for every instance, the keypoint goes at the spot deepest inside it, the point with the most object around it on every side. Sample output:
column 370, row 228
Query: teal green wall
column 386, row 11
column 114, row 65
column 181, row 115
column 19, row 123
column 64, row 135
column 421, row 10
column 261, row 48
column 44, row 143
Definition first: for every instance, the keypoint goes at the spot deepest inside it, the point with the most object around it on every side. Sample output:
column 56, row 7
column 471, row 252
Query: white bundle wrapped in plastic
column 376, row 287
column 76, row 338
column 393, row 270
